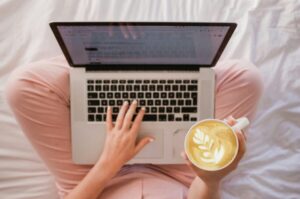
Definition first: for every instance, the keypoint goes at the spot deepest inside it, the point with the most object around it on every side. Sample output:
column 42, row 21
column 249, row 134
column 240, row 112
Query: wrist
column 107, row 168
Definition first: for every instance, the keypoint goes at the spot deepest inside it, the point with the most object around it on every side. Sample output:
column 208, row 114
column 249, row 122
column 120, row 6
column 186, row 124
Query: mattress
column 268, row 34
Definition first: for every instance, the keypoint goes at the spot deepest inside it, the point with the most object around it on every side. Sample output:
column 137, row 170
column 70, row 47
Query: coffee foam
column 211, row 145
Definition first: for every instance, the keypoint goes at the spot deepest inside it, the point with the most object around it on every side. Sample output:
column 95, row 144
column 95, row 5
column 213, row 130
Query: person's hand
column 214, row 177
column 121, row 138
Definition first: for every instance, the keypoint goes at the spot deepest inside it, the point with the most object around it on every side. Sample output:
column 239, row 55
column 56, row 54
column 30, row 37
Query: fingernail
column 134, row 102
column 151, row 140
column 231, row 117
column 143, row 108
column 125, row 103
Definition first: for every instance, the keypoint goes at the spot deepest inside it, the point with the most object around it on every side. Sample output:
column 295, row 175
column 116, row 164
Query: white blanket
column 268, row 34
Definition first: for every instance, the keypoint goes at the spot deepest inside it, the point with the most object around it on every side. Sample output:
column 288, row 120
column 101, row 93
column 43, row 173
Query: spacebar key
column 189, row 109
column 150, row 117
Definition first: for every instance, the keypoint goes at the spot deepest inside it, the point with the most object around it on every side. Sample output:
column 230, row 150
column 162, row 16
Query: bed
column 268, row 34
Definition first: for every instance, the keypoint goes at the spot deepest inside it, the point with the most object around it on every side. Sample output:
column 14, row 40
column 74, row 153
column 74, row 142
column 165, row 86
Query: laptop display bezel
column 54, row 26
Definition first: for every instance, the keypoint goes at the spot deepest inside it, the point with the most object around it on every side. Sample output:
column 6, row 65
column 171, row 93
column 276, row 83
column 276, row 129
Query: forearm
column 93, row 183
column 201, row 190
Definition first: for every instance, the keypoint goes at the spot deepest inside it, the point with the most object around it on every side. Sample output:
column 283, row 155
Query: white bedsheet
column 268, row 34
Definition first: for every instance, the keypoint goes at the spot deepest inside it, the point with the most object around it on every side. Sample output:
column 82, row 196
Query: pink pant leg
column 238, row 90
column 38, row 95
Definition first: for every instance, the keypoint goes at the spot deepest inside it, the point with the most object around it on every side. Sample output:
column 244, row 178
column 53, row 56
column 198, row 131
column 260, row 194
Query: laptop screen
column 142, row 43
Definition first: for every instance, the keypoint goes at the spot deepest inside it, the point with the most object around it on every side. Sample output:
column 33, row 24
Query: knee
column 242, row 74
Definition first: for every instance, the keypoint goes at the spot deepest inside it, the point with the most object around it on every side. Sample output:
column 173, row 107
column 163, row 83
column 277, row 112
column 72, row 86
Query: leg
column 38, row 95
column 238, row 89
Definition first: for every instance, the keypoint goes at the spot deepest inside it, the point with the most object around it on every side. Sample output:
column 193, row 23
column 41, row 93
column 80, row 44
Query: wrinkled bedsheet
column 268, row 34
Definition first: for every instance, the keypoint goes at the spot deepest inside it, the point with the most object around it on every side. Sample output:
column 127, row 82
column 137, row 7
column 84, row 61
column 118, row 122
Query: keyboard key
column 167, row 87
column 152, row 88
column 133, row 95
column 162, row 81
column 159, row 87
column 170, row 81
column 156, row 95
column 186, row 81
column 136, row 87
column 178, row 81
column 175, row 87
column 176, row 109
column 117, row 95
column 189, row 109
column 119, row 102
column 149, row 102
column 98, row 118
column 161, row 109
column 165, row 102
column 188, row 102
column 100, row 110
column 114, row 117
column 157, row 102
column 178, row 119
column 169, row 109
column 140, row 95
column 93, row 102
column 180, row 102
column 114, row 81
column 129, row 87
column 92, row 95
column 182, row 87
column 90, row 88
column 101, row 95
column 154, row 109
column 130, row 81
column 154, row 81
column 109, row 95
column 186, row 95
column 178, row 95
column 148, row 95
column 146, row 81
column 98, row 87
column 90, row 81
column 111, row 102
column 194, row 81
column 186, row 117
column 163, row 95
column 104, row 102
column 147, row 110
column 144, row 88
column 171, row 95
column 125, row 95
column 98, row 81
column 115, row 110
column 121, row 87
column 173, row 102
column 113, row 87
column 91, row 118
column 150, row 117
column 142, row 102
column 122, row 81
column 193, row 119
column 171, row 117
column 106, row 81
column 162, row 117
column 91, row 110
column 192, row 87
column 105, row 87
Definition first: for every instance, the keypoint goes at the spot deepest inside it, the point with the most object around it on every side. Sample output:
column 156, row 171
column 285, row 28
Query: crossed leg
column 38, row 95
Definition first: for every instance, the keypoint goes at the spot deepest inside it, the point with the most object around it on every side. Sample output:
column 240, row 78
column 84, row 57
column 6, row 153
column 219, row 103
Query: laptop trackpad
column 153, row 149
column 178, row 142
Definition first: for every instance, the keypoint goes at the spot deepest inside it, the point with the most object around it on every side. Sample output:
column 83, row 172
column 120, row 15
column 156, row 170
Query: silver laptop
column 166, row 66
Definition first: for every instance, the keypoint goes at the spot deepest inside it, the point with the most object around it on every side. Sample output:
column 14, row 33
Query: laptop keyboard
column 164, row 99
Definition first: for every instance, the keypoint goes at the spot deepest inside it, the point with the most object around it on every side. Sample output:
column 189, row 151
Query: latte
column 211, row 144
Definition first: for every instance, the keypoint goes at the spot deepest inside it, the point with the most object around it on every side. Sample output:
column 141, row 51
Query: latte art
column 212, row 145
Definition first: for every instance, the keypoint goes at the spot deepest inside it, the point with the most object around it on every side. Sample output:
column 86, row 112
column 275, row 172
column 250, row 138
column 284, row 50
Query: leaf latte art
column 212, row 145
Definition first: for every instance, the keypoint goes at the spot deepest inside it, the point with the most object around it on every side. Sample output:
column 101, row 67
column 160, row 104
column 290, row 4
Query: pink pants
column 38, row 95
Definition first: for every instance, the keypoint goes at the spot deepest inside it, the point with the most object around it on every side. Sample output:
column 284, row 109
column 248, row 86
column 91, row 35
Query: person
column 38, row 95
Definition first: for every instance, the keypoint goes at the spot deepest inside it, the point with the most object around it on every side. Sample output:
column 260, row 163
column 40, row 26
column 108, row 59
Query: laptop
column 165, row 66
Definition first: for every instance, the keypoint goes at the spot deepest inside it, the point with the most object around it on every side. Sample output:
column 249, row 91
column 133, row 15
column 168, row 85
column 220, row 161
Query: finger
column 230, row 120
column 131, row 31
column 142, row 143
column 109, row 124
column 129, row 115
column 190, row 164
column 138, row 120
column 121, row 115
column 244, row 134
column 124, row 31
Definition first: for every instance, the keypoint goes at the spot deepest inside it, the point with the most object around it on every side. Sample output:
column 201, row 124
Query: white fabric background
column 268, row 34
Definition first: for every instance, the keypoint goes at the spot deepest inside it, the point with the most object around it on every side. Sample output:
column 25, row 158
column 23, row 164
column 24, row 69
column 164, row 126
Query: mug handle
column 240, row 124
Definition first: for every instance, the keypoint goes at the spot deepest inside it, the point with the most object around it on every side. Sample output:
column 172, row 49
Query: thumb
column 142, row 143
